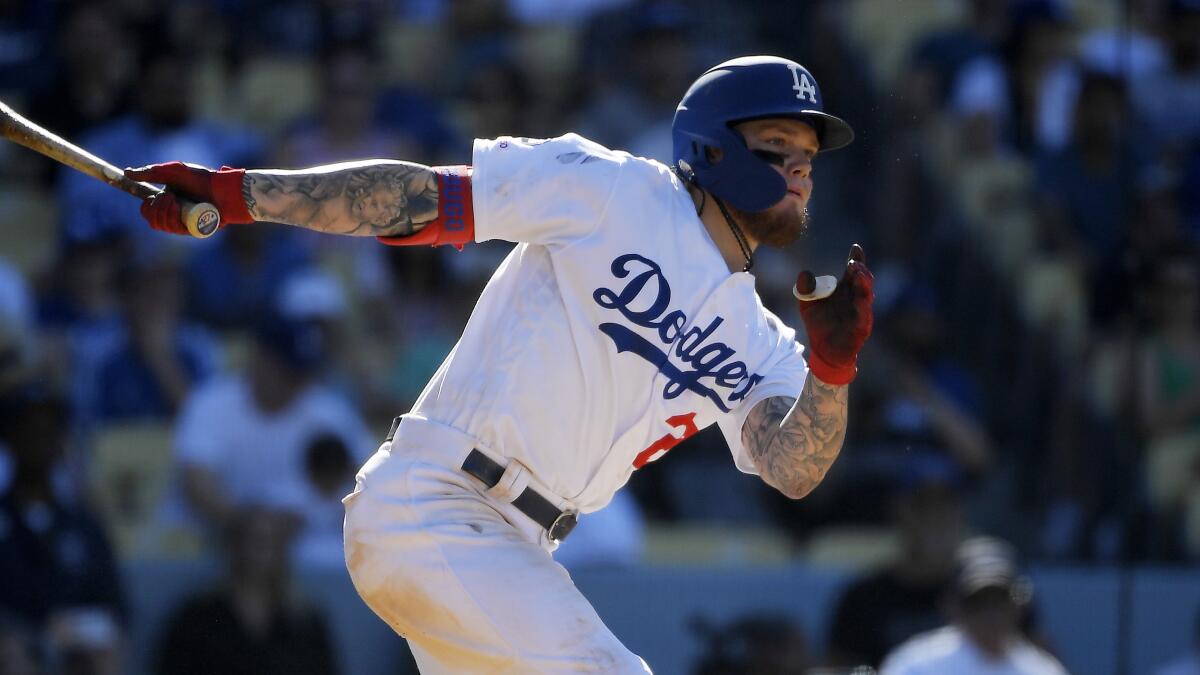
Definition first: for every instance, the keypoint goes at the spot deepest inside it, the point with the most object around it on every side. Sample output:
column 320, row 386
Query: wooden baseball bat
column 200, row 219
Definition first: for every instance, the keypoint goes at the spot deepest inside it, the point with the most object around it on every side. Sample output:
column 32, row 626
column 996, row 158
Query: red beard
column 775, row 228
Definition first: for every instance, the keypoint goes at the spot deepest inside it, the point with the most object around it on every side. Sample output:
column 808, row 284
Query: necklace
column 737, row 234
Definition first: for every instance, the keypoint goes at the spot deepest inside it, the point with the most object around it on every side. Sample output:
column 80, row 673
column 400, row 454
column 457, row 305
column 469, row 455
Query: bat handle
column 201, row 219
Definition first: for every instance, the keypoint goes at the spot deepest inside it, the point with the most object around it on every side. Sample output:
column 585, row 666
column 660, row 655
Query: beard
column 775, row 227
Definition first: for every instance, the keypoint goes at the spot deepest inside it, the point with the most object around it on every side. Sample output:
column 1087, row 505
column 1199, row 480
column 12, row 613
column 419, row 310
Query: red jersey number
column 684, row 425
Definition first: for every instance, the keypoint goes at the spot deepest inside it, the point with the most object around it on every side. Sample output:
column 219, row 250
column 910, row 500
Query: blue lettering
column 697, row 337
column 453, row 206
column 713, row 355
column 731, row 374
column 648, row 287
column 621, row 301
column 747, row 385
column 671, row 325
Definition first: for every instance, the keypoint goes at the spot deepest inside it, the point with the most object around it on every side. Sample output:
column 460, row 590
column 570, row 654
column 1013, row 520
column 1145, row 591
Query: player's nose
column 799, row 167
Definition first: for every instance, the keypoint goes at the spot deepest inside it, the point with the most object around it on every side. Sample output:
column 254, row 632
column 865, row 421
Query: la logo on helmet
column 803, row 86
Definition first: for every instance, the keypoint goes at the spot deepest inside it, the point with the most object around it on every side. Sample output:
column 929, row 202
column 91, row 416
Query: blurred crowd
column 1026, row 183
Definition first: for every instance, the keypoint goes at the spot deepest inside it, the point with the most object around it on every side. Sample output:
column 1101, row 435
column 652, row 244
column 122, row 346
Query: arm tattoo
column 371, row 198
column 793, row 442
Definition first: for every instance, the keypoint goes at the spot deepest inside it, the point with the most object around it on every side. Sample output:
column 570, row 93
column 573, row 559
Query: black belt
column 558, row 523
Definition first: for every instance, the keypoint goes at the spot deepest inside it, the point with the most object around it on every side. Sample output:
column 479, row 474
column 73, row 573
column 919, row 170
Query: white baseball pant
column 466, row 577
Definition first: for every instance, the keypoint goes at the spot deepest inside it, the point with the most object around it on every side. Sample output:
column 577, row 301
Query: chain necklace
column 747, row 252
column 737, row 234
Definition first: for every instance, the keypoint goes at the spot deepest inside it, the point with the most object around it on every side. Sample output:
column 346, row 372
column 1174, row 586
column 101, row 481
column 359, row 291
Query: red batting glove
column 222, row 189
column 838, row 324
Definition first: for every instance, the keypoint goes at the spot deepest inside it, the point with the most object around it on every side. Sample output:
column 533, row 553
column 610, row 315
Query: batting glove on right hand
column 221, row 188
column 838, row 318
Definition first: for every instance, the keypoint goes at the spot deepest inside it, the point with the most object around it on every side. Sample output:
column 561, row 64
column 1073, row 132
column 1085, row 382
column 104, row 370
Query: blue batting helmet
column 747, row 88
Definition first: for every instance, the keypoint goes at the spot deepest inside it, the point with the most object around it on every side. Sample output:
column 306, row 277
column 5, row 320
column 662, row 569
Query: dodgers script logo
column 712, row 363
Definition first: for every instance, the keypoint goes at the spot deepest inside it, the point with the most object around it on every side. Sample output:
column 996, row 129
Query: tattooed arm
column 368, row 198
column 793, row 442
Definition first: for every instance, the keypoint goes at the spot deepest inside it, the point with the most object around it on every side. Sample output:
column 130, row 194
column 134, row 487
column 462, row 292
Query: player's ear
column 713, row 155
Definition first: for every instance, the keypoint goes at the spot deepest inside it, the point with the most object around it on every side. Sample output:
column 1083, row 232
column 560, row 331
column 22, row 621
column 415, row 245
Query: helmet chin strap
column 743, row 243
column 737, row 234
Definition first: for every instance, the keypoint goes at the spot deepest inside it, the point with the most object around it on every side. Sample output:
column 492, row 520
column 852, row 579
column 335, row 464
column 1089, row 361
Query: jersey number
column 685, row 425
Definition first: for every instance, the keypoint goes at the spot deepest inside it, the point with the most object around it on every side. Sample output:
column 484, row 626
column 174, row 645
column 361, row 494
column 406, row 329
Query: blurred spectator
column 157, row 358
column 1132, row 48
column 483, row 31
column 242, row 438
column 1189, row 663
column 815, row 34
column 934, row 403
column 17, row 334
column 657, row 63
column 85, row 642
column 16, row 302
column 887, row 607
column 18, row 649
column 82, row 288
column 917, row 401
column 945, row 52
column 500, row 102
column 348, row 126
column 1189, row 195
column 250, row 624
column 614, row 536
column 162, row 128
column 427, row 323
column 1168, row 378
column 554, row 11
column 314, row 295
column 54, row 554
column 416, row 115
column 329, row 468
column 1085, row 187
column 754, row 645
column 1029, row 89
column 1169, row 290
column 234, row 280
column 345, row 126
column 1168, row 100
column 95, row 71
column 904, row 211
column 300, row 28
column 25, row 45
column 310, row 294
column 984, row 635
column 79, row 313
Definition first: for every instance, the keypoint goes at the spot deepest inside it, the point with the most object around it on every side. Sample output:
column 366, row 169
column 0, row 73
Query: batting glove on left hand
column 221, row 188
column 838, row 317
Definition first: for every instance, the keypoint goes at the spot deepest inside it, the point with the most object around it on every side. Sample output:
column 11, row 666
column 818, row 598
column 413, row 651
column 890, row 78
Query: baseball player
column 624, row 321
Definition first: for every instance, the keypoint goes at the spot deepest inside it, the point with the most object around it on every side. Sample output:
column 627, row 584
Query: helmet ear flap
column 691, row 152
column 740, row 177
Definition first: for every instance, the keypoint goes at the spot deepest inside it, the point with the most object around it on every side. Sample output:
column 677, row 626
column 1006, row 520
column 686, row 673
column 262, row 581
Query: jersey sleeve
column 537, row 191
column 785, row 373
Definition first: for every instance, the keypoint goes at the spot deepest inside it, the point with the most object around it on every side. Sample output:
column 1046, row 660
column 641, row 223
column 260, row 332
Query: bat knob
column 823, row 287
column 201, row 220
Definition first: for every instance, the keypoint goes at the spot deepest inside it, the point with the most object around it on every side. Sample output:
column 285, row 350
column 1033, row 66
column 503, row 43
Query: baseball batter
column 624, row 321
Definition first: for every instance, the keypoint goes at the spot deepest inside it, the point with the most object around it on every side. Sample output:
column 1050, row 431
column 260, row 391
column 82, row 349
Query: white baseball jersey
column 948, row 650
column 612, row 331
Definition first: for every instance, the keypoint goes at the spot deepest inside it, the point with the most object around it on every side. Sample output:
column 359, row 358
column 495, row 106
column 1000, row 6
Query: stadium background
column 1026, row 183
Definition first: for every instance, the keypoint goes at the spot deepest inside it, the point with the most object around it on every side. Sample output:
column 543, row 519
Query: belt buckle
column 562, row 526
